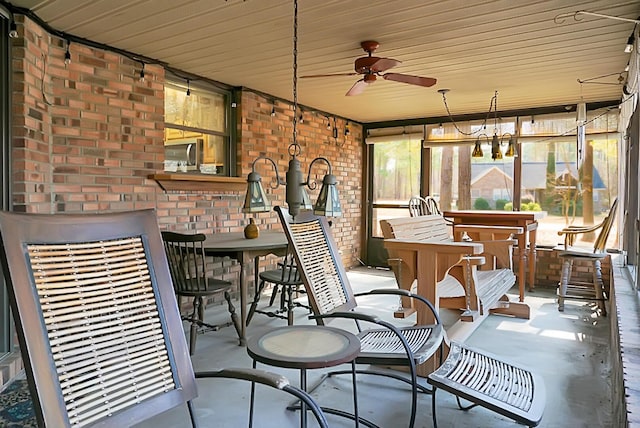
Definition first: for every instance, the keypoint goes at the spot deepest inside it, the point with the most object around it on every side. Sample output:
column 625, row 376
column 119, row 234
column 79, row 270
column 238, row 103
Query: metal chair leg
column 598, row 285
column 433, row 407
column 192, row 414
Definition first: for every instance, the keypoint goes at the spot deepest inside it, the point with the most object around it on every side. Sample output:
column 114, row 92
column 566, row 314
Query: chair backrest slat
column 316, row 255
column 187, row 262
column 419, row 206
column 601, row 241
column 96, row 317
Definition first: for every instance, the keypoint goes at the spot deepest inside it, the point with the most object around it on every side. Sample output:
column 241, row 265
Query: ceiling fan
column 372, row 66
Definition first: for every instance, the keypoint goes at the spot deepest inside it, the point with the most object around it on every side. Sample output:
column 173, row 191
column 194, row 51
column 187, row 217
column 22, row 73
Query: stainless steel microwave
column 183, row 155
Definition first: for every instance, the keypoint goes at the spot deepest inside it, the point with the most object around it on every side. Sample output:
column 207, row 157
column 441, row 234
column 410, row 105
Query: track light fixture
column 346, row 129
column 188, row 88
column 142, row 72
column 273, row 111
column 328, row 203
column 13, row 30
column 67, row 55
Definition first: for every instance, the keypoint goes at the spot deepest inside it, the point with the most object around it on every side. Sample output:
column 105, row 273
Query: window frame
column 229, row 134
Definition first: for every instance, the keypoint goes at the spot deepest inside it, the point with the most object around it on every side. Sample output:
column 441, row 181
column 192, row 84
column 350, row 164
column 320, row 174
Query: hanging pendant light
column 477, row 150
column 511, row 148
column 496, row 154
column 297, row 199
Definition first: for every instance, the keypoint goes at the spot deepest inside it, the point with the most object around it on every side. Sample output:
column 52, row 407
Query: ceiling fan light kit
column 371, row 67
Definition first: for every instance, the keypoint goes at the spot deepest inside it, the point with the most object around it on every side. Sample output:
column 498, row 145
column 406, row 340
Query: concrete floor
column 569, row 350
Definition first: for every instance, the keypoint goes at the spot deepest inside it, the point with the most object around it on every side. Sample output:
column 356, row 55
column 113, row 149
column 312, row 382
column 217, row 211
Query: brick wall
column 549, row 266
column 88, row 134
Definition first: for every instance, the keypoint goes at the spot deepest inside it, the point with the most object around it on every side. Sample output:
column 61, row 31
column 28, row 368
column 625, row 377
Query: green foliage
column 500, row 204
column 531, row 206
column 525, row 206
column 481, row 204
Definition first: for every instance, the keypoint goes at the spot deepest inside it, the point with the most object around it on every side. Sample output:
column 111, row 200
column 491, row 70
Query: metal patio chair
column 330, row 296
column 97, row 321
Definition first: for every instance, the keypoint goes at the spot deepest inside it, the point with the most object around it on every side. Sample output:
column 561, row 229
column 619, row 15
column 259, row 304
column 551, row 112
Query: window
column 396, row 178
column 573, row 183
column 7, row 344
column 464, row 181
column 197, row 129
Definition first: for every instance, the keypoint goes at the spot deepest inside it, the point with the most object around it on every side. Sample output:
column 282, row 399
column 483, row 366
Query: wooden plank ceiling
column 472, row 47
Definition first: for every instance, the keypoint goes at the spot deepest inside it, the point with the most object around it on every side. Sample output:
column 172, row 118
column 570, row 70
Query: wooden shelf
column 199, row 182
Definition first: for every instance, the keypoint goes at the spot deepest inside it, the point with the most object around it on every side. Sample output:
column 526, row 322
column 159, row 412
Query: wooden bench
column 475, row 283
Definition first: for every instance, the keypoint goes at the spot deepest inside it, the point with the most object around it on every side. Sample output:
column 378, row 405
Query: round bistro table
column 306, row 347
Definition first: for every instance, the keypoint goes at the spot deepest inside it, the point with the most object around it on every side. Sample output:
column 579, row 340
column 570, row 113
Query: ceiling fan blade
column 328, row 75
column 412, row 80
column 357, row 88
column 384, row 64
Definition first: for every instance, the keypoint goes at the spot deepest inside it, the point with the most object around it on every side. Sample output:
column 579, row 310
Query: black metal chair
column 97, row 321
column 286, row 281
column 330, row 296
column 187, row 263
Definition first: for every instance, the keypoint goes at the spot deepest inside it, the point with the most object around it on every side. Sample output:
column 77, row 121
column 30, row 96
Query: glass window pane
column 199, row 119
column 383, row 214
column 396, row 171
column 200, row 109
column 460, row 181
column 553, row 180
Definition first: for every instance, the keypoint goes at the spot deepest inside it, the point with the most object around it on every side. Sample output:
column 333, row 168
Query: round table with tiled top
column 306, row 347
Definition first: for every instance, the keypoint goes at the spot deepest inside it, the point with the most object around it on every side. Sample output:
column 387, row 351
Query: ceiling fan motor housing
column 369, row 78
column 363, row 65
